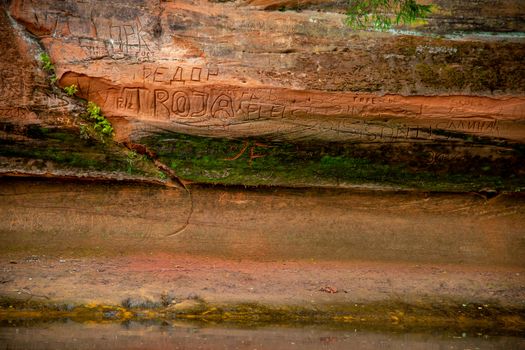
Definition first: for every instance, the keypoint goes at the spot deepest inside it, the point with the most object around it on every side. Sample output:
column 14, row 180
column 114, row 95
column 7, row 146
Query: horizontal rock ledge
column 48, row 216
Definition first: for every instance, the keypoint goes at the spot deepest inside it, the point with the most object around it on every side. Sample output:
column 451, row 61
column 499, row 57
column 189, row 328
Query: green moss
column 67, row 150
column 426, row 74
column 263, row 162
column 484, row 78
column 473, row 66
column 36, row 131
column 450, row 164
column 452, row 78
column 442, row 76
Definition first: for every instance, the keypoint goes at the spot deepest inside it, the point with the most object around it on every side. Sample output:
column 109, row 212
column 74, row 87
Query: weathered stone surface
column 447, row 17
column 238, row 93
column 40, row 126
column 42, row 217
column 298, row 89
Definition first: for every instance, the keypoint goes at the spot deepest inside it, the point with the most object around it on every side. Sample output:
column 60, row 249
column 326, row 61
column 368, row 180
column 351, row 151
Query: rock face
column 250, row 94
column 268, row 224
column 418, row 133
column 39, row 124
column 240, row 93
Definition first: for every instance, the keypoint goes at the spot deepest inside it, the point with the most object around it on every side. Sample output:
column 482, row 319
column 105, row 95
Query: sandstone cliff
column 270, row 92
column 418, row 132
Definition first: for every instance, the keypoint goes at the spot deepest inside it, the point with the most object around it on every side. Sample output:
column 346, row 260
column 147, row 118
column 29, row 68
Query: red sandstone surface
column 233, row 69
column 227, row 69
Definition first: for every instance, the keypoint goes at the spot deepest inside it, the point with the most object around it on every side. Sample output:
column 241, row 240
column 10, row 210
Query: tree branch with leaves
column 383, row 14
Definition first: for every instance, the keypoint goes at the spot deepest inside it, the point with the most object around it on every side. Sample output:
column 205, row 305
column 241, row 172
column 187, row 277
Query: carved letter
column 131, row 99
column 199, row 112
column 277, row 111
column 196, row 74
column 115, row 33
column 160, row 109
column 157, row 76
column 180, row 104
column 177, row 76
column 222, row 108
column 215, row 73
column 146, row 72
column 128, row 34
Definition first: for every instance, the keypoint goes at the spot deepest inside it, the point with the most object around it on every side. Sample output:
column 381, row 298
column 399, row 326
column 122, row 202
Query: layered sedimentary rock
column 269, row 224
column 264, row 92
column 39, row 124
column 249, row 94
column 238, row 93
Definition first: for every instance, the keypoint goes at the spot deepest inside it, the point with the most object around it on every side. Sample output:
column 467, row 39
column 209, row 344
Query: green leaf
column 382, row 14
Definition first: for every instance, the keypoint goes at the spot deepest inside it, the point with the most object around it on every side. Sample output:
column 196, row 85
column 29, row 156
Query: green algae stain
column 434, row 167
column 45, row 148
column 448, row 164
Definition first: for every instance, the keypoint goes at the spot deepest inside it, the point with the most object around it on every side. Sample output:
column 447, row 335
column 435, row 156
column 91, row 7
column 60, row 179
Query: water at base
column 129, row 336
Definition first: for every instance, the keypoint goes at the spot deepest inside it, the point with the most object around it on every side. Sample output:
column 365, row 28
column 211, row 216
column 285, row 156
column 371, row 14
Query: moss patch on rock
column 36, row 147
column 437, row 166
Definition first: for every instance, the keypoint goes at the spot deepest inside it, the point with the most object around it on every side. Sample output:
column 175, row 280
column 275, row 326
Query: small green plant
column 84, row 132
column 71, row 90
column 101, row 124
column 132, row 156
column 48, row 67
column 383, row 14
column 46, row 63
